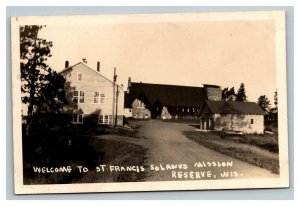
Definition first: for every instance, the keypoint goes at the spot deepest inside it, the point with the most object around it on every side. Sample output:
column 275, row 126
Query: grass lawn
column 259, row 150
column 80, row 147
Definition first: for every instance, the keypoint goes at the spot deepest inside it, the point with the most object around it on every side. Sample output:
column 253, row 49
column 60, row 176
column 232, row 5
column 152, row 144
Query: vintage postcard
column 149, row 102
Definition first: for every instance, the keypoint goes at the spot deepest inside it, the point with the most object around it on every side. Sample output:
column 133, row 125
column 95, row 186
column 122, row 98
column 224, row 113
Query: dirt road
column 167, row 145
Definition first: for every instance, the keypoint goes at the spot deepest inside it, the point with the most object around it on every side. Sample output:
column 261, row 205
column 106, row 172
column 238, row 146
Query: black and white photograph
column 149, row 102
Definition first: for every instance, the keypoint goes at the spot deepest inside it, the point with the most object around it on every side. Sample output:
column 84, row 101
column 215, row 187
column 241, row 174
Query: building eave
column 66, row 69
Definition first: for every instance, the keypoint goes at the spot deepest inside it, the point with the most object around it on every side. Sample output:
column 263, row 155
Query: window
column 81, row 97
column 79, row 77
column 78, row 96
column 141, row 104
column 96, row 97
column 103, row 119
column 182, row 109
column 188, row 109
column 252, row 121
column 102, row 97
column 75, row 96
column 77, row 118
column 99, row 97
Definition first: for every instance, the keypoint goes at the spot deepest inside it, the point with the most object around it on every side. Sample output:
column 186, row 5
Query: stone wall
column 236, row 122
column 165, row 113
column 139, row 110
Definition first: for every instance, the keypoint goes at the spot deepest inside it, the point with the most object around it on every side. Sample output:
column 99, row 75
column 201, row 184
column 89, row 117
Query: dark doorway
column 156, row 110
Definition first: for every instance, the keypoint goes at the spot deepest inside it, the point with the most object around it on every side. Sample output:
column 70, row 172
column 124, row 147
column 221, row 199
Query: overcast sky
column 194, row 53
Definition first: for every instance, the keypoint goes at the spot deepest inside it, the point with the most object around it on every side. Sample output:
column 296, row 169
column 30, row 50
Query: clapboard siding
column 92, row 81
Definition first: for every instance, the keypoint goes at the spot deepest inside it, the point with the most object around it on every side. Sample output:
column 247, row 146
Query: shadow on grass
column 78, row 147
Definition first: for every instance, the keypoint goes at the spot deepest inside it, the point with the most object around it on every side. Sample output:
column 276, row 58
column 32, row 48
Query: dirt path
column 167, row 145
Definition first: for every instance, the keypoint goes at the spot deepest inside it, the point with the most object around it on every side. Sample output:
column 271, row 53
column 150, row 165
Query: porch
column 207, row 123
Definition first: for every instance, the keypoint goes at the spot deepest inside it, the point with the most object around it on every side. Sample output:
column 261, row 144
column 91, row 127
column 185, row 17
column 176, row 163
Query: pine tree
column 42, row 88
column 275, row 100
column 228, row 94
column 264, row 103
column 231, row 94
column 225, row 94
column 241, row 94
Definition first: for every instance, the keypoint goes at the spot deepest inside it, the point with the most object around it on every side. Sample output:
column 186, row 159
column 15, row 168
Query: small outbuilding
column 245, row 117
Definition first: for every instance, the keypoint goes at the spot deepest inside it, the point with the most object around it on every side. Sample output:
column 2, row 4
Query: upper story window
column 102, row 97
column 79, row 76
column 252, row 121
column 78, row 96
column 140, row 104
column 99, row 97
column 96, row 97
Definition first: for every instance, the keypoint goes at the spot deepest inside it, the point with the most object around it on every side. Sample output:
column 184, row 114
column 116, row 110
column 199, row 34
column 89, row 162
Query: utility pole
column 116, row 116
column 113, row 102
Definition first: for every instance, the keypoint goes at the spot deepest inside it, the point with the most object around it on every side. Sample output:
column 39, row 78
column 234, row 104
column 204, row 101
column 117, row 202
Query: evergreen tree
column 42, row 88
column 228, row 94
column 275, row 100
column 274, row 110
column 231, row 94
column 264, row 103
column 241, row 94
column 225, row 94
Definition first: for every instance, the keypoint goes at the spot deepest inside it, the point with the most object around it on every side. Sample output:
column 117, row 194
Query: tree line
column 229, row 94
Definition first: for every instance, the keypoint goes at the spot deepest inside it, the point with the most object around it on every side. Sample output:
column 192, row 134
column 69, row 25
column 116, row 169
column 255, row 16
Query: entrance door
column 211, row 124
column 207, row 124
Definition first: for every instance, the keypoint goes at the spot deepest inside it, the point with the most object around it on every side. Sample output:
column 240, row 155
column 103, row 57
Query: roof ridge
column 230, row 101
column 165, row 84
column 234, row 107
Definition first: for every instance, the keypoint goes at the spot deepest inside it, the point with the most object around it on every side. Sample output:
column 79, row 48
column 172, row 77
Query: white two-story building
column 93, row 98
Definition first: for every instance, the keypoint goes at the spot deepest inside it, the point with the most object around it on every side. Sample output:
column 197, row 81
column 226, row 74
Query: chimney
column 84, row 60
column 213, row 92
column 98, row 66
column 66, row 64
column 129, row 84
column 129, row 81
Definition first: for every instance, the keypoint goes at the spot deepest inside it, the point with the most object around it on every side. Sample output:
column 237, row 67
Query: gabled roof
column 66, row 69
column 168, row 95
column 231, row 107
